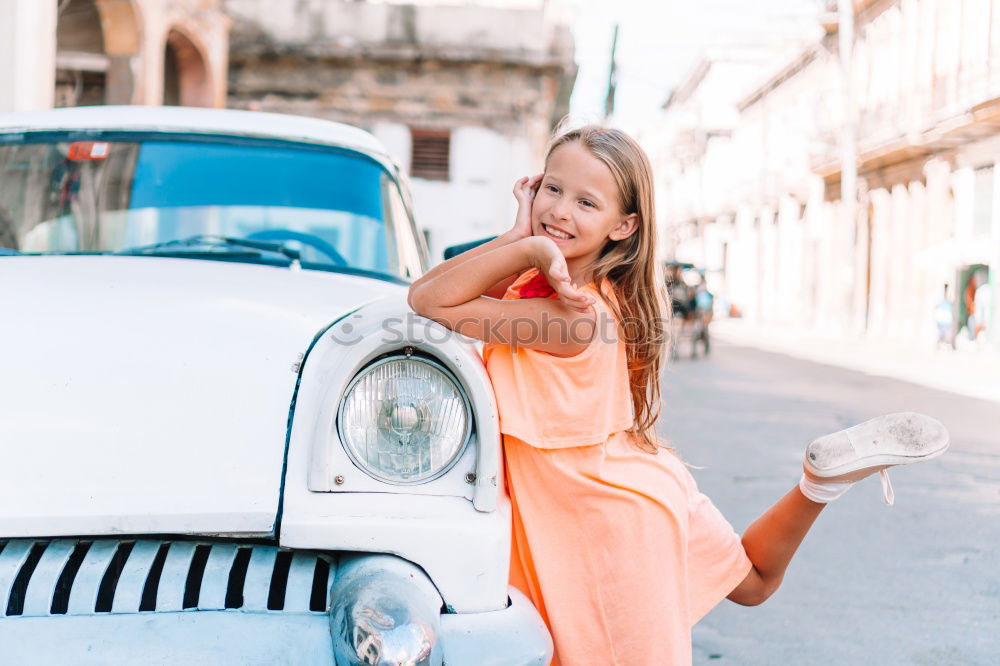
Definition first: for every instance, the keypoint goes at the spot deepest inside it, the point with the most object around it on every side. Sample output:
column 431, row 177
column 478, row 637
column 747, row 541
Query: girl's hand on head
column 524, row 192
column 548, row 259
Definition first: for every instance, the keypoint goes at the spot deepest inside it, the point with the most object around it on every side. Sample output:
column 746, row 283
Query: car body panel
column 465, row 552
column 208, row 638
column 151, row 395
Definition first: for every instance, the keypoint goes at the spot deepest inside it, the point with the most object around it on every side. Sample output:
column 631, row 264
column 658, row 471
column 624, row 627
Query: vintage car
column 225, row 437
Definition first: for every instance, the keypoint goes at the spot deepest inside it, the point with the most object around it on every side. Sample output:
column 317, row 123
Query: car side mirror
column 455, row 250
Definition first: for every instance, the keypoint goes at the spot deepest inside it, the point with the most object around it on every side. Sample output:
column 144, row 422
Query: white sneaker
column 873, row 446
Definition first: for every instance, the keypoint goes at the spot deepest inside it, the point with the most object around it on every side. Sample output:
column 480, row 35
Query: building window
column 429, row 158
column 186, row 80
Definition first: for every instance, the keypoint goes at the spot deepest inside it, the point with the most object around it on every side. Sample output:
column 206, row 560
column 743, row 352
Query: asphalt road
column 915, row 583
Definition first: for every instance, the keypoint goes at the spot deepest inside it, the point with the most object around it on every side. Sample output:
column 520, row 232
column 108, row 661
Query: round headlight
column 404, row 420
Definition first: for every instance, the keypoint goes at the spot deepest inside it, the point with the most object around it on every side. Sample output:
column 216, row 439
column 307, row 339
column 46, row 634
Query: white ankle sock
column 823, row 492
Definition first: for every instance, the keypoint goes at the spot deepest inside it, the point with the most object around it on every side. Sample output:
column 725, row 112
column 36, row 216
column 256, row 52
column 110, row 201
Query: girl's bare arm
column 563, row 327
column 497, row 289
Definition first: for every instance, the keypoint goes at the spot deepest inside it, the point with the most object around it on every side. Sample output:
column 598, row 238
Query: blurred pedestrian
column 681, row 310
column 981, row 303
column 704, row 301
column 972, row 321
column 944, row 318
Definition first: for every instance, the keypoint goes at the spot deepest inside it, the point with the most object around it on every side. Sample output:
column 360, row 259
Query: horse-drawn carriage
column 691, row 304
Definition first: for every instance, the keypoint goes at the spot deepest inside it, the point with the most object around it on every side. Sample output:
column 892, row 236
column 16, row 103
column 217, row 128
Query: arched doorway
column 96, row 41
column 186, row 80
column 81, row 64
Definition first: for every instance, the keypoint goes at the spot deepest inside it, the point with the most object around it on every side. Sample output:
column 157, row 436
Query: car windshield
column 122, row 192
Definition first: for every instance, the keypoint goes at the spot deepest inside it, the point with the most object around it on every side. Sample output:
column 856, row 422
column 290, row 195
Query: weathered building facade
column 465, row 96
column 83, row 52
column 922, row 108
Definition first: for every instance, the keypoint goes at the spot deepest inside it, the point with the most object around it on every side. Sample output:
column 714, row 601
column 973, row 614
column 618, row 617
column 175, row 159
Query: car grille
column 88, row 576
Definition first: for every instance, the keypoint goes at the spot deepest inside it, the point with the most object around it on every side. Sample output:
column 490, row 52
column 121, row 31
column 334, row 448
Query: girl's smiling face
column 577, row 206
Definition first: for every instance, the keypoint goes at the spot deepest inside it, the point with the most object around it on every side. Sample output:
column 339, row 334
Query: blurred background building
column 465, row 96
column 751, row 157
column 83, row 52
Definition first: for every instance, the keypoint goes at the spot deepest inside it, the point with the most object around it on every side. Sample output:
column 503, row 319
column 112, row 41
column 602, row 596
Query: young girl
column 612, row 540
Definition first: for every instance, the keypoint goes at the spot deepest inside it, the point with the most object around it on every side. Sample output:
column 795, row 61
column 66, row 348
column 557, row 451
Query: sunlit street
column 914, row 583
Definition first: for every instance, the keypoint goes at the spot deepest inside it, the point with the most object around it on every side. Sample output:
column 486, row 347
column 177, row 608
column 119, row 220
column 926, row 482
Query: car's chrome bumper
column 386, row 612
column 363, row 608
column 508, row 637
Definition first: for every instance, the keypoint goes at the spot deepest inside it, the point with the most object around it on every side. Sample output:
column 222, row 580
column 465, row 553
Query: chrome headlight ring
column 404, row 419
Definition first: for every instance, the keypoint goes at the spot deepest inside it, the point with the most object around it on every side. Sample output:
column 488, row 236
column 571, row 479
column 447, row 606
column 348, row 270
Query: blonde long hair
column 631, row 268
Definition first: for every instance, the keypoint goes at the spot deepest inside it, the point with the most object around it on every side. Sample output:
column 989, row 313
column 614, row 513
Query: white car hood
column 151, row 395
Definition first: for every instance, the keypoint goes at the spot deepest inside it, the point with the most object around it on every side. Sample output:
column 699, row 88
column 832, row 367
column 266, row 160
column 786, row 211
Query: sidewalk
column 970, row 373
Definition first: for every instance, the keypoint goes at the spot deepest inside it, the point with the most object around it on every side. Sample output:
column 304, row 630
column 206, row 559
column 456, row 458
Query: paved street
column 916, row 583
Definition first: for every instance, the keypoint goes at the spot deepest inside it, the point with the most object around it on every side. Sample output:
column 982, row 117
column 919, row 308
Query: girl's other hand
column 524, row 192
column 548, row 259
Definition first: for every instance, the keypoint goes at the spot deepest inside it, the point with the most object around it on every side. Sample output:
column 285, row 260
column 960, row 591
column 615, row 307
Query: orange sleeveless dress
column 618, row 550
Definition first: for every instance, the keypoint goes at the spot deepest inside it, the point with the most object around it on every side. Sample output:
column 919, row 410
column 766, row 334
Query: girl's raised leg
column 831, row 465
